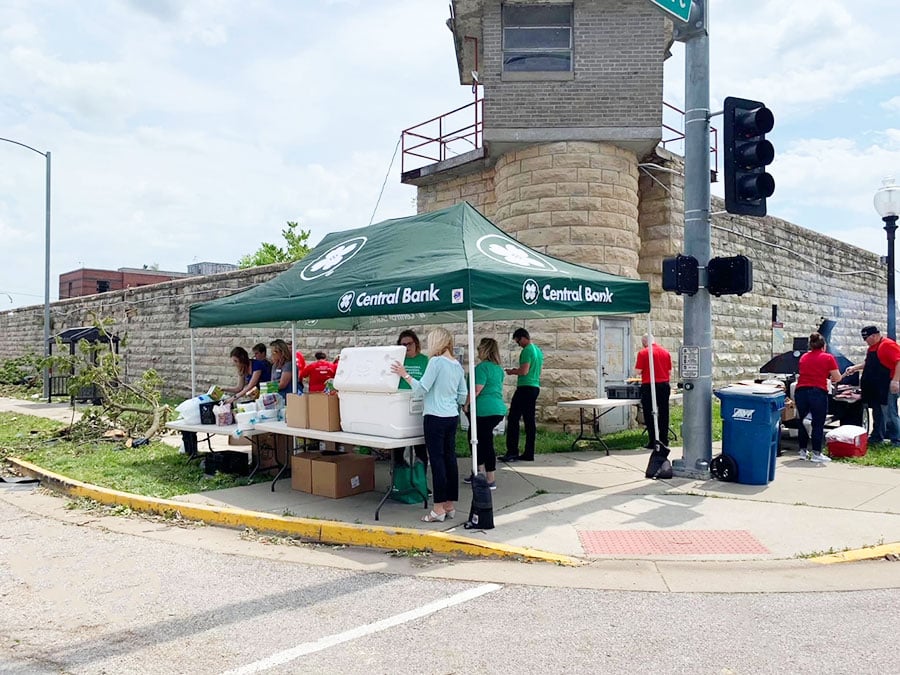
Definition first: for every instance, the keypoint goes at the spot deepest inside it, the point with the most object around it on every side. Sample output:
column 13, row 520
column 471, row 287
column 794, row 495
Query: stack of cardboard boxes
column 334, row 470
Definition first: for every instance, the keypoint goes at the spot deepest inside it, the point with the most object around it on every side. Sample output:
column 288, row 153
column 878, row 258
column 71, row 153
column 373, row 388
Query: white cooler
column 369, row 399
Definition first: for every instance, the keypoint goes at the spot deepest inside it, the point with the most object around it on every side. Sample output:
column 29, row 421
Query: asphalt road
column 86, row 592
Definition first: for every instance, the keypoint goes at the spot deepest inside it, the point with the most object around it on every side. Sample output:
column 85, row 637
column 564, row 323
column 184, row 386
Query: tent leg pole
column 470, row 321
column 193, row 368
column 295, row 386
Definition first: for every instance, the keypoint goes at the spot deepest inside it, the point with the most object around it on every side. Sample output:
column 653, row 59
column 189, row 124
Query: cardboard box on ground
column 333, row 476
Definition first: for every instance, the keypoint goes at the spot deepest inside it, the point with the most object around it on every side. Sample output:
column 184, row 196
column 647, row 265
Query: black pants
column 440, row 439
column 662, row 404
column 484, row 430
column 811, row 401
column 522, row 407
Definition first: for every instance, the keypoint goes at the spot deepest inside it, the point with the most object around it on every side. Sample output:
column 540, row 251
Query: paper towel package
column 370, row 401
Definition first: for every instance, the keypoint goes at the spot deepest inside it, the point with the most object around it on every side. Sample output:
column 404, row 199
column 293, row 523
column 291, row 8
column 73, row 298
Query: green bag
column 410, row 483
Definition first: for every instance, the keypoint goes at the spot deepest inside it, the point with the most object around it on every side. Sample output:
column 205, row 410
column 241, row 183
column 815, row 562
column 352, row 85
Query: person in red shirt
column 662, row 369
column 817, row 367
column 880, row 384
column 318, row 371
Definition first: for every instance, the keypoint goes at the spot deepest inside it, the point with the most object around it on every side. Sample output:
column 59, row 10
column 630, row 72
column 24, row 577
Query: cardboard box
column 339, row 476
column 331, row 446
column 270, row 449
column 296, row 413
column 324, row 412
column 239, row 440
column 301, row 470
column 789, row 412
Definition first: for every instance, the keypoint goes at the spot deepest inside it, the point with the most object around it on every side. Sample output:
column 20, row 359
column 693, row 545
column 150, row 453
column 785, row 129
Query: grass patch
column 877, row 455
column 153, row 470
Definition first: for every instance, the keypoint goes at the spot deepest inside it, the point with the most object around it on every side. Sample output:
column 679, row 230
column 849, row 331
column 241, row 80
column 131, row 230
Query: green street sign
column 679, row 9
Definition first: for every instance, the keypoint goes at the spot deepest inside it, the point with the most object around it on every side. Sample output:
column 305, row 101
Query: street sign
column 679, row 9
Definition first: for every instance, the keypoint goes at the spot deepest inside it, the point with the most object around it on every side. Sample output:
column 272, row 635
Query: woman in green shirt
column 415, row 363
column 489, row 407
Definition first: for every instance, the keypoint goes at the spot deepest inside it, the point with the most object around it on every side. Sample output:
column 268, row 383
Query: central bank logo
column 530, row 292
column 325, row 264
column 346, row 301
column 510, row 252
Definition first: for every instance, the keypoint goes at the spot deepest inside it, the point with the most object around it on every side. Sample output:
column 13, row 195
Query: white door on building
column 616, row 363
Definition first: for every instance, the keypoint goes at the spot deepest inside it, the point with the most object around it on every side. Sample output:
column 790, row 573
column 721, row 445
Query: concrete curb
column 325, row 532
column 855, row 555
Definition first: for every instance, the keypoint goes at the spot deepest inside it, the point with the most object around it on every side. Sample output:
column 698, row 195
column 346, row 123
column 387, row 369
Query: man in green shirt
column 522, row 406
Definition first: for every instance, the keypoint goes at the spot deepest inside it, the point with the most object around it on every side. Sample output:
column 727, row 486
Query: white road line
column 354, row 633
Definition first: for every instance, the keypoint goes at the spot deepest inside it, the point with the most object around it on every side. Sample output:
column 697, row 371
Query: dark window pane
column 536, row 38
column 537, row 61
column 537, row 15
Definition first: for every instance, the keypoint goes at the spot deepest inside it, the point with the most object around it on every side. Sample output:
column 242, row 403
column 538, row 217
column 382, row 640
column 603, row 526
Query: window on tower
column 537, row 38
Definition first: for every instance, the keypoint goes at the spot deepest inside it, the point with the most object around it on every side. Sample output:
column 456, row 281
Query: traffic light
column 680, row 274
column 729, row 276
column 747, row 154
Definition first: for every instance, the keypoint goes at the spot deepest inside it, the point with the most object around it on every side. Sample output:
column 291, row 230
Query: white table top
column 228, row 430
column 600, row 403
column 610, row 402
column 366, row 440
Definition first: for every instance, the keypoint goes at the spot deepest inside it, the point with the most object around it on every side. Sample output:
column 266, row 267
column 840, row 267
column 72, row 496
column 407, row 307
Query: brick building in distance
column 87, row 281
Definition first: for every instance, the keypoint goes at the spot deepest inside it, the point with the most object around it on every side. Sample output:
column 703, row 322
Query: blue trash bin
column 751, row 427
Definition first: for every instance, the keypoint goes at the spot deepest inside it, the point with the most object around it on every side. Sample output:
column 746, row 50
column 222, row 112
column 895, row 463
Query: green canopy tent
column 448, row 266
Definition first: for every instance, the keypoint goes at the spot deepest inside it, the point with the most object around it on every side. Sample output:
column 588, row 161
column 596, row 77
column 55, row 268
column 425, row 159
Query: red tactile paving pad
column 669, row 542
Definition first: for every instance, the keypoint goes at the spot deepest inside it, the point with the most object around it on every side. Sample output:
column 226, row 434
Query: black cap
column 869, row 330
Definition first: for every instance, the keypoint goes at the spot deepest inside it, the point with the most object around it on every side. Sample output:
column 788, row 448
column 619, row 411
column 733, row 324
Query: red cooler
column 847, row 441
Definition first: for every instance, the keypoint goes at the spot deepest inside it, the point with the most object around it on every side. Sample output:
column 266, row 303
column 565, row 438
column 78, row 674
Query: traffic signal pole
column 696, row 354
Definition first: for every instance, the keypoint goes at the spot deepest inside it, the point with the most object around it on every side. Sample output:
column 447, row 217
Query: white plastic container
column 396, row 415
column 368, row 369
column 369, row 399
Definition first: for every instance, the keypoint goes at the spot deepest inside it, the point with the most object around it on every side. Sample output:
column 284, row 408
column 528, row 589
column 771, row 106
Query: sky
column 185, row 132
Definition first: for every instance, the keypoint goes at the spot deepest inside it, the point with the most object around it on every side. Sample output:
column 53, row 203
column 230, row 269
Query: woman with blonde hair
column 281, row 366
column 489, row 407
column 444, row 386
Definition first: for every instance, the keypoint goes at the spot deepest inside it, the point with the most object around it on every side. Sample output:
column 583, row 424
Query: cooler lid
column 368, row 369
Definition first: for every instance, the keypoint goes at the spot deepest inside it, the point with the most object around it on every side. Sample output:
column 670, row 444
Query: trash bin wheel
column 724, row 468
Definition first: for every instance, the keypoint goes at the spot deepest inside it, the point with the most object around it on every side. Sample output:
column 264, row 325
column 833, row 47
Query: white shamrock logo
column 325, row 264
column 333, row 258
column 515, row 255
column 346, row 301
column 504, row 250
column 529, row 292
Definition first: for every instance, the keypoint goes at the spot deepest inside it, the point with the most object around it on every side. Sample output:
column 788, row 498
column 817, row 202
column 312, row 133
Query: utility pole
column 696, row 352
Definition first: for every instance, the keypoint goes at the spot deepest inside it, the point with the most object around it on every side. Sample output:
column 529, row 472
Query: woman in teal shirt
column 489, row 407
column 444, row 386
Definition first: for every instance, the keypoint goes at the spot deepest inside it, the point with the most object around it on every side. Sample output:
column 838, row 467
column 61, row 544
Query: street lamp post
column 887, row 203
column 45, row 155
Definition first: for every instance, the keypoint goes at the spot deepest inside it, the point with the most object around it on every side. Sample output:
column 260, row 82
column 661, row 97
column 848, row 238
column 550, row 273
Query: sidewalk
column 594, row 508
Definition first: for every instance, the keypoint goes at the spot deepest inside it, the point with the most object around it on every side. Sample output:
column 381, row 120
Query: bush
column 22, row 370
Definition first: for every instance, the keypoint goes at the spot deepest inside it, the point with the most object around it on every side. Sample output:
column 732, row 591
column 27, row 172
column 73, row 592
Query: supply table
column 599, row 407
column 365, row 440
column 189, row 436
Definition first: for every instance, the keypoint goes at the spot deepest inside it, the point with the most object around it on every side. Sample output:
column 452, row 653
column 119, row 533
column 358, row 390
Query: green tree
column 296, row 248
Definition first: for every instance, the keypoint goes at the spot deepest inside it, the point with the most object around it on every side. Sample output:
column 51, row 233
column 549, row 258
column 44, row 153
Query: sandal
column 451, row 514
column 433, row 517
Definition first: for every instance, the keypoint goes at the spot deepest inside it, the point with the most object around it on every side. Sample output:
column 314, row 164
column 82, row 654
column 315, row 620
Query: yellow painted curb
column 869, row 553
column 326, row 532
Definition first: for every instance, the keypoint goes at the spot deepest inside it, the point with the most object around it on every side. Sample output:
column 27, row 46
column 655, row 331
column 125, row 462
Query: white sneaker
column 821, row 459
column 804, row 454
